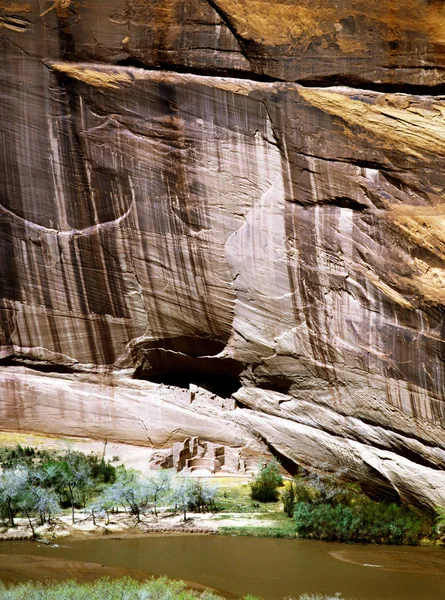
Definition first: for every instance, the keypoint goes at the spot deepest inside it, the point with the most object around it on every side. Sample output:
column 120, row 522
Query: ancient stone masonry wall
column 242, row 196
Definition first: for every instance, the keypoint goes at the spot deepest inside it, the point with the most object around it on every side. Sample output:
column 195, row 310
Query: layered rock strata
column 244, row 196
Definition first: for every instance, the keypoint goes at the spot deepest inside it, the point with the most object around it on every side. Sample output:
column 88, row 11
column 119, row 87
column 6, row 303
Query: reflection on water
column 271, row 568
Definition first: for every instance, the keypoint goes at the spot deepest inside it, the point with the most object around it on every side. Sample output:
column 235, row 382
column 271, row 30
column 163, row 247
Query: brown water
column 270, row 568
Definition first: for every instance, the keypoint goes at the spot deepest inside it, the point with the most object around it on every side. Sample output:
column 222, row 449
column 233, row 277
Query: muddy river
column 270, row 568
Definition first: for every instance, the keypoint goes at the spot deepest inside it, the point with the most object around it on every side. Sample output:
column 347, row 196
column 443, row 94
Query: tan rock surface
column 217, row 223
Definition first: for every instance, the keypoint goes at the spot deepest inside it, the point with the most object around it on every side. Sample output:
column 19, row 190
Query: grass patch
column 119, row 589
column 320, row 597
column 279, row 517
column 12, row 438
column 262, row 532
column 236, row 499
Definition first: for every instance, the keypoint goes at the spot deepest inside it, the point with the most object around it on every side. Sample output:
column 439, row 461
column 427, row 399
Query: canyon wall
column 244, row 195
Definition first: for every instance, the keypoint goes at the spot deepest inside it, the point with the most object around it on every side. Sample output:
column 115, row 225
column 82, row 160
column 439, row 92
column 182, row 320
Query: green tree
column 288, row 498
column 70, row 476
column 102, row 471
column 264, row 488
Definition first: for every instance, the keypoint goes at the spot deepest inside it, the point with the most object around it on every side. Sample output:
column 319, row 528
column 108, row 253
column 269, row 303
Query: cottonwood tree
column 38, row 501
column 202, row 495
column 183, row 493
column 13, row 486
column 209, row 492
column 126, row 491
column 193, row 494
column 71, row 475
column 97, row 510
column 105, row 503
column 157, row 486
column 26, row 506
column 46, row 504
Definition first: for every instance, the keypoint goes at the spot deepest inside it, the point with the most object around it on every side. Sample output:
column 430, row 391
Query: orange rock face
column 244, row 196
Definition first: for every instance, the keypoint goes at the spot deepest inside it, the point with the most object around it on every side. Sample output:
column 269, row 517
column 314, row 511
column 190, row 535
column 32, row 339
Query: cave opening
column 274, row 383
column 182, row 361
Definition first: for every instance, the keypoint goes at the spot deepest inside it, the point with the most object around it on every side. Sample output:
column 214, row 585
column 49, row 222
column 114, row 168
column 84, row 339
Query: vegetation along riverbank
column 127, row 589
column 47, row 493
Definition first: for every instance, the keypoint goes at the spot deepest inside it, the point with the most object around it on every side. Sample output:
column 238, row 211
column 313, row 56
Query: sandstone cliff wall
column 243, row 195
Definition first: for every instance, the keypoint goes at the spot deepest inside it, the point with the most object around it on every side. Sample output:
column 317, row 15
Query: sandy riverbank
column 124, row 523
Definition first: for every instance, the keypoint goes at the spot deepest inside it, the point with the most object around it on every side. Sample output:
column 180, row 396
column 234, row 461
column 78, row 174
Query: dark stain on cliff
column 10, row 286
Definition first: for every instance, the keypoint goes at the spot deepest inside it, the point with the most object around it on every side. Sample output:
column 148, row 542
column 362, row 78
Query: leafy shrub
column 302, row 491
column 319, row 597
column 288, row 499
column 22, row 456
column 440, row 522
column 327, row 488
column 365, row 521
column 264, row 488
column 121, row 589
column 260, row 532
column 128, row 589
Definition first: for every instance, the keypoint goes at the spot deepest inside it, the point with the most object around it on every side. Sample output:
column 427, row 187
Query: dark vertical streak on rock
column 66, row 16
column 64, row 276
column 80, row 203
column 10, row 286
column 78, row 277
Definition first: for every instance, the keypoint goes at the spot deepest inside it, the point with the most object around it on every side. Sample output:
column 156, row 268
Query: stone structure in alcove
column 192, row 455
